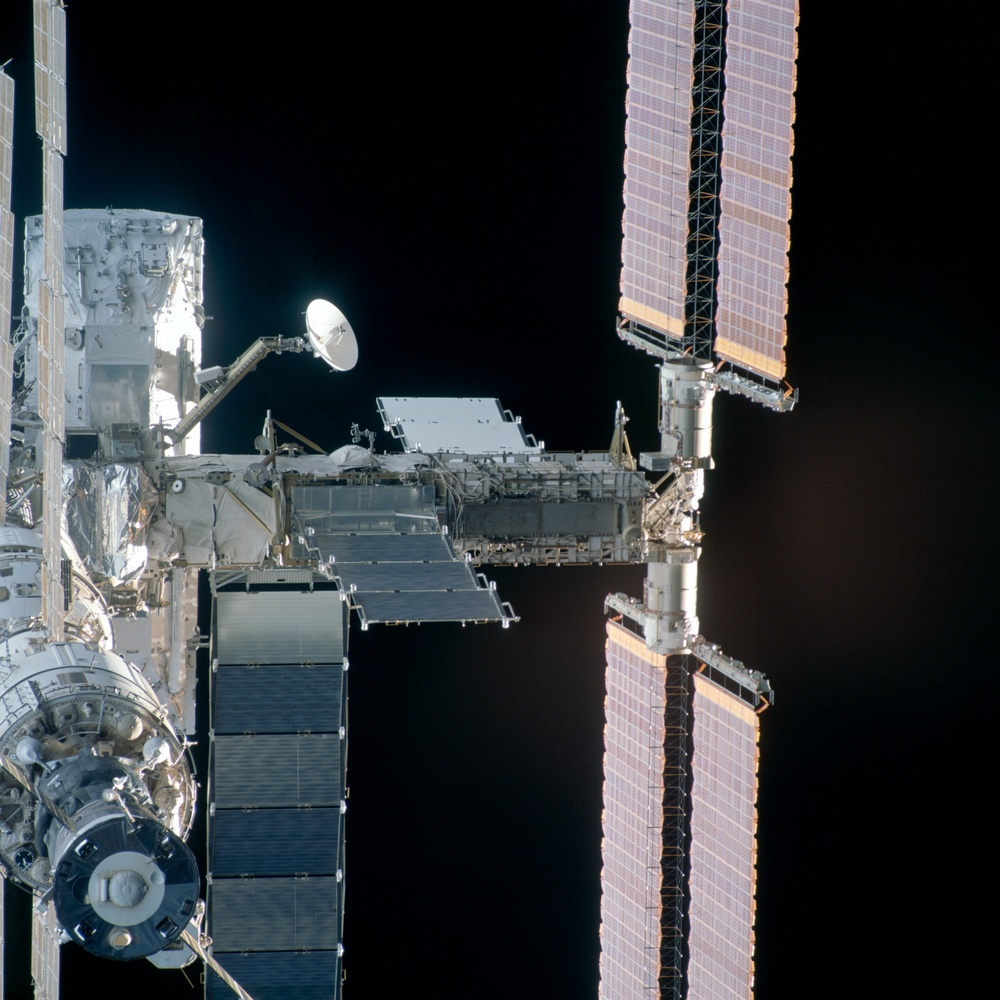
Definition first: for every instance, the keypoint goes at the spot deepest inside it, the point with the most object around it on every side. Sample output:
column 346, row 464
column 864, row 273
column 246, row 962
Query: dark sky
column 450, row 174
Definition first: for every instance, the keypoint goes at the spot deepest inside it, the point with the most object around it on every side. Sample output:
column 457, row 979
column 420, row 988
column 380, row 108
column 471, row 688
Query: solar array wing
column 657, row 164
column 723, row 843
column 756, row 181
column 50, row 73
column 633, row 816
column 385, row 547
column 50, row 105
column 6, row 279
column 277, row 771
column 45, row 934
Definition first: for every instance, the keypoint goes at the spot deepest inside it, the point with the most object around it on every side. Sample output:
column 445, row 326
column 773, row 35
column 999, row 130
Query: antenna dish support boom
column 328, row 335
column 234, row 374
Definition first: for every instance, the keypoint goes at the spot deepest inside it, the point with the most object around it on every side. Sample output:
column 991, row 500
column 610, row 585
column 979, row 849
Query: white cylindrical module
column 96, row 793
column 671, row 602
column 686, row 397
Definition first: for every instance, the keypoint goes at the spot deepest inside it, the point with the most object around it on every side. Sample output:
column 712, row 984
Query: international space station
column 113, row 514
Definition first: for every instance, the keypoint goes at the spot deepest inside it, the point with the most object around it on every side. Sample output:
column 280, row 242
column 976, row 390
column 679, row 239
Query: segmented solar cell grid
column 633, row 816
column 723, row 844
column 51, row 386
column 657, row 163
column 50, row 73
column 756, row 180
column 276, row 787
column 45, row 964
column 6, row 272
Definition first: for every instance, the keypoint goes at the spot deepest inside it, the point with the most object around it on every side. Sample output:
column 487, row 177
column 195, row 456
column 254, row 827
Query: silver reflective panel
column 280, row 627
column 468, row 426
column 757, row 142
column 723, row 844
column 657, row 163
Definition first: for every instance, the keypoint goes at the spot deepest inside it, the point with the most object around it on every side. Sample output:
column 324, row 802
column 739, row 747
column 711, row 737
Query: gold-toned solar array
column 723, row 843
column 633, row 816
column 756, row 184
column 657, row 164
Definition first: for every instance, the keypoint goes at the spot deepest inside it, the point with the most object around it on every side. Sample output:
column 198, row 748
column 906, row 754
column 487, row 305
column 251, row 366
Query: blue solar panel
column 275, row 842
column 279, row 976
column 297, row 697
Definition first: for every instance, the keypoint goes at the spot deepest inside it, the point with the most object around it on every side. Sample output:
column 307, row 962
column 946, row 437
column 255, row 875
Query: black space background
column 450, row 174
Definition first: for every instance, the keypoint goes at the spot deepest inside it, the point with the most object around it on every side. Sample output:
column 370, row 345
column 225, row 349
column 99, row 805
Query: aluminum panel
column 274, row 842
column 278, row 699
column 274, row 914
column 723, row 844
column 279, row 627
column 268, row 975
column 633, row 816
column 468, row 426
column 657, row 163
column 755, row 200
column 276, row 770
column 429, row 606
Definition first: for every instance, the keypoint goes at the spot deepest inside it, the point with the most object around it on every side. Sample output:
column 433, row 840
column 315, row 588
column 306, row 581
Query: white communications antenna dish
column 331, row 336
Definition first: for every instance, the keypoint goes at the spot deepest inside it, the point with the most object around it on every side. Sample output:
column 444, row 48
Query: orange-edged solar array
column 657, row 164
column 723, row 844
column 756, row 181
column 633, row 816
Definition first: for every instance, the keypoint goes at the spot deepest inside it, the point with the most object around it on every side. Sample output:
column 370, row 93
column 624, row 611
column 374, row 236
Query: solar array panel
column 50, row 72
column 384, row 545
column 723, row 844
column 45, row 959
column 277, row 771
column 633, row 816
column 50, row 123
column 6, row 276
column 657, row 164
column 756, row 180
column 471, row 426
